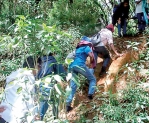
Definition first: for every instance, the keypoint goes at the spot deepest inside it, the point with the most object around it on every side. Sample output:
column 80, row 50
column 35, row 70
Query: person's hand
column 119, row 55
column 119, row 21
column 2, row 109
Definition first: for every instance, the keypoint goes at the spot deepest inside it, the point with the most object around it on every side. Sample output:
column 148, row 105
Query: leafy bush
column 32, row 37
column 82, row 14
column 131, row 108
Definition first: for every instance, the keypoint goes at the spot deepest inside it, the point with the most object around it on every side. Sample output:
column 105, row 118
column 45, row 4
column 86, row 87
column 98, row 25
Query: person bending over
column 78, row 66
column 120, row 16
column 17, row 104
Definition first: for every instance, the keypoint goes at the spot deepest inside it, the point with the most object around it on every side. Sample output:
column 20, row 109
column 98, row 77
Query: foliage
column 35, row 38
column 132, row 107
column 56, row 26
column 81, row 14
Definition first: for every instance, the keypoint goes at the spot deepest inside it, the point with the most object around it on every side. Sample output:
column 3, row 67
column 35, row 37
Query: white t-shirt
column 106, row 36
column 18, row 96
column 139, row 7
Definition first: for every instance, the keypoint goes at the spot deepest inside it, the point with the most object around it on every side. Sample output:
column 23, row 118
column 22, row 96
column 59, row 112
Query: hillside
column 119, row 73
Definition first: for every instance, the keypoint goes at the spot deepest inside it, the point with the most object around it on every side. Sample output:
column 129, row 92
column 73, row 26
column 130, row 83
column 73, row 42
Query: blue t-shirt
column 81, row 56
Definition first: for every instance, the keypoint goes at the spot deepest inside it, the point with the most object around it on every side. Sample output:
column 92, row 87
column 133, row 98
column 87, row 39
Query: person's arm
column 90, row 54
column 137, row 2
column 110, row 42
column 127, row 13
column 2, row 109
column 114, row 50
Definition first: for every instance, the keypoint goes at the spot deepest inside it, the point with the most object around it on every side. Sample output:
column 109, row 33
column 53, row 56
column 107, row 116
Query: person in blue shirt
column 78, row 66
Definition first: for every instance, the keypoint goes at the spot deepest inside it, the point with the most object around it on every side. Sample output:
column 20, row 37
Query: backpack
column 71, row 55
column 96, row 39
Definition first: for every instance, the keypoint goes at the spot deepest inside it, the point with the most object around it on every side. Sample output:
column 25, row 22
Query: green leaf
column 59, row 89
column 75, row 80
column 11, row 83
column 19, row 90
column 68, row 61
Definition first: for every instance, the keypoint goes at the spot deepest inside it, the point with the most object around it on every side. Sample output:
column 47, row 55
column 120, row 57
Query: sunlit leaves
column 19, row 90
column 68, row 90
column 68, row 61
column 57, row 78
column 69, row 76
column 48, row 79
column 58, row 89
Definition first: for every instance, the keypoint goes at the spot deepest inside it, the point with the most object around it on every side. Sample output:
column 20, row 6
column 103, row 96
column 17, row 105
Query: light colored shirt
column 18, row 97
column 106, row 37
column 139, row 7
column 71, row 55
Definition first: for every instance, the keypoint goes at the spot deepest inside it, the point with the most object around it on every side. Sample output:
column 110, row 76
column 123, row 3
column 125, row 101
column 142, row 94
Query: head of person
column 85, row 38
column 32, row 63
column 110, row 27
column 126, row 3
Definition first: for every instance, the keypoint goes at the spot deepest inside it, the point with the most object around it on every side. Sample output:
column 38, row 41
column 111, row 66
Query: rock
column 144, row 72
column 144, row 86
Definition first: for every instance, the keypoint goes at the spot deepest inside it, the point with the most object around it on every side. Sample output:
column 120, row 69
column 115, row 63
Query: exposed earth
column 115, row 80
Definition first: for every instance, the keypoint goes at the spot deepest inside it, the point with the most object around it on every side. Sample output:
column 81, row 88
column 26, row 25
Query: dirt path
column 109, row 82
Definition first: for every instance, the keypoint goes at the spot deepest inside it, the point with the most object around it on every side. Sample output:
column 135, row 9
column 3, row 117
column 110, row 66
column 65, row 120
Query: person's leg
column 105, row 64
column 124, row 27
column 119, row 29
column 43, row 108
column 106, row 58
column 60, row 71
column 143, row 22
column 73, row 86
column 114, row 21
column 90, row 76
column 46, row 93
column 96, row 56
column 139, row 16
column 69, row 99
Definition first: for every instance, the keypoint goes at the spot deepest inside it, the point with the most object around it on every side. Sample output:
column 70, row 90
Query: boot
column 103, row 71
column 68, row 108
column 90, row 96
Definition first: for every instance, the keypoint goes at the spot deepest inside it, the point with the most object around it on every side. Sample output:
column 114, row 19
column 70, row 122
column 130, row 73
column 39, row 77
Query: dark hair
column 50, row 54
column 126, row 1
column 30, row 62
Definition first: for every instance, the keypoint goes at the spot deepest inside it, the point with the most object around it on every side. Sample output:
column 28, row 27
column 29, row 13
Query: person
column 49, row 66
column 104, row 38
column 78, row 66
column 141, row 15
column 120, row 16
column 17, row 104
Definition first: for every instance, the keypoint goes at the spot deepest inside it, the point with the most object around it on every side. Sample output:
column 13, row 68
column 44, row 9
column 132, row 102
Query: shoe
column 119, row 35
column 125, row 35
column 102, row 74
column 140, row 31
column 90, row 97
column 103, row 71
column 68, row 108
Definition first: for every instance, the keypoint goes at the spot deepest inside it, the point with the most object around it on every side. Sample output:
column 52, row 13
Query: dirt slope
column 110, row 82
